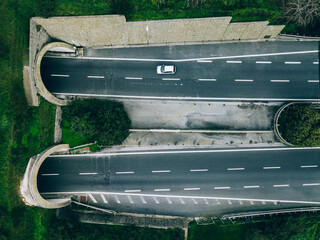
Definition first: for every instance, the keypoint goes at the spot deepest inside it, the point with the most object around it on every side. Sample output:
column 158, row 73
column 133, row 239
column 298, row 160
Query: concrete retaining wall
column 114, row 30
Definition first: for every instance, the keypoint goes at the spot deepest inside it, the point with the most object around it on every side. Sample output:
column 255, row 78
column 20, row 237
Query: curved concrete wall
column 29, row 188
column 37, row 74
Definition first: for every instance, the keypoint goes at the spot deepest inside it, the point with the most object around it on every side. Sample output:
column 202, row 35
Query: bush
column 299, row 124
column 97, row 120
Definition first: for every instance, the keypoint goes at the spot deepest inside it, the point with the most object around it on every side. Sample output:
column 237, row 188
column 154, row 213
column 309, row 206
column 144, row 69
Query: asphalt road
column 189, row 183
column 230, row 71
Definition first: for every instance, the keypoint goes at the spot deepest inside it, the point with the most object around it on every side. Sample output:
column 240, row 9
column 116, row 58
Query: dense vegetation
column 299, row 124
column 25, row 131
column 93, row 120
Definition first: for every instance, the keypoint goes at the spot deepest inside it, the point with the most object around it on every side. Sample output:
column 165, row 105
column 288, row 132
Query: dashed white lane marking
column 170, row 79
column 191, row 189
column 204, row 61
column 143, row 200
column 233, row 61
column 292, row 62
column 130, row 199
column 156, row 200
column 161, row 171
column 205, row 201
column 236, row 169
column 168, row 200
column 95, row 76
column 207, row 79
column 59, row 75
column 281, row 185
column 313, row 81
column 267, row 168
column 263, row 62
column 131, row 191
column 279, row 80
column 181, row 201
column 133, row 78
column 50, row 174
column 93, row 173
column 218, row 188
column 315, row 62
column 309, row 166
column 103, row 198
column 255, row 186
column 162, row 190
column 243, row 80
column 117, row 199
column 229, row 202
column 92, row 198
column 310, row 184
column 124, row 172
column 198, row 170
column 194, row 201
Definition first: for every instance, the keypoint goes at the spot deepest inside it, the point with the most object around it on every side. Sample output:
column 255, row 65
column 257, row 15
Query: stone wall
column 114, row 30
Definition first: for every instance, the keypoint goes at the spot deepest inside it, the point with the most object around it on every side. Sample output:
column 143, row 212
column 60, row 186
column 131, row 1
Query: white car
column 166, row 69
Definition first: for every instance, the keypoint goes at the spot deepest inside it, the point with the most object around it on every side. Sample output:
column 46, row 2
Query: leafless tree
column 303, row 12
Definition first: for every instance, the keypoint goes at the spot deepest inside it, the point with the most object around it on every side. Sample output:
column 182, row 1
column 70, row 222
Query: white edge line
column 185, row 151
column 186, row 197
column 131, row 191
column 185, row 98
column 50, row 174
column 88, row 173
column 204, row 61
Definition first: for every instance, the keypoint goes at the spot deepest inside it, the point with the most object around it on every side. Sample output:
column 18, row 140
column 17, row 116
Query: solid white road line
column 168, row 200
column 256, row 186
column 162, row 190
column 92, row 198
column 156, row 200
column 309, row 166
column 263, row 203
column 95, row 76
column 204, row 61
column 310, row 184
column 124, row 172
column 279, row 80
column 184, row 98
column 130, row 191
column 233, row 61
column 191, row 189
column 143, row 200
column 313, row 81
column 292, row 62
column 181, row 201
column 263, row 62
column 240, row 202
column 315, row 62
column 133, row 78
column 198, row 170
column 170, row 79
column 130, row 199
column 50, row 174
column 229, row 202
column 205, row 201
column 103, row 198
column 219, row 188
column 59, row 75
column 281, row 185
column 236, row 169
column 243, row 80
column 251, row 202
column 161, row 171
column 93, row 173
column 117, row 199
column 266, row 168
column 207, row 79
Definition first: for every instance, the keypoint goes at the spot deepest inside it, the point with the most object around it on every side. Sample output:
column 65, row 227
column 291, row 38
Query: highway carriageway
column 188, row 182
column 244, row 71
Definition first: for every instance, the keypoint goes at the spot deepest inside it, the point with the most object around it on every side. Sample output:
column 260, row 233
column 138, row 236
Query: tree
column 303, row 12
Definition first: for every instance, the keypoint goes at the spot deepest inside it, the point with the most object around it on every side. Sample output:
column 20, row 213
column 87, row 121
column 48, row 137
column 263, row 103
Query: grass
column 68, row 136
